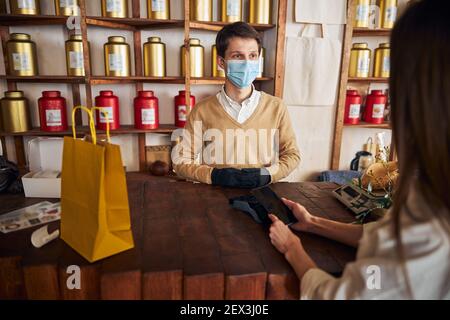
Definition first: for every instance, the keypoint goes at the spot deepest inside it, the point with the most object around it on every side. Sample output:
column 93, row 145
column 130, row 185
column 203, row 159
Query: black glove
column 245, row 178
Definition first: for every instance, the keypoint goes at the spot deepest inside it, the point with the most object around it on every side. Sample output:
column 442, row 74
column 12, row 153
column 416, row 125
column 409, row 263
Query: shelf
column 133, row 23
column 44, row 79
column 95, row 80
column 385, row 125
column 218, row 25
column 366, row 32
column 212, row 80
column 368, row 80
column 124, row 129
column 27, row 19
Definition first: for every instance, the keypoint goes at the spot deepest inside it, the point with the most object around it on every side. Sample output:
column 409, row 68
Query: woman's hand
column 301, row 214
column 282, row 237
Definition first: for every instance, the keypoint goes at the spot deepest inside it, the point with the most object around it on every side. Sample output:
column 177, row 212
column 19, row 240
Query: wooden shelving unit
column 82, row 130
column 135, row 23
column 363, row 124
column 345, row 81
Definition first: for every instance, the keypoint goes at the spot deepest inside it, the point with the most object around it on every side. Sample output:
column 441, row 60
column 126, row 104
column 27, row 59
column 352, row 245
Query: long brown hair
column 420, row 99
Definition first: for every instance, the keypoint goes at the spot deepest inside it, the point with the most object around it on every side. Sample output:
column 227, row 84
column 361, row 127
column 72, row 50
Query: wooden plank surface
column 189, row 244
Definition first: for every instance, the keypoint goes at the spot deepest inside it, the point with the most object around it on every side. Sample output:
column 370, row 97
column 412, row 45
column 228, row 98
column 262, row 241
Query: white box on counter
column 45, row 162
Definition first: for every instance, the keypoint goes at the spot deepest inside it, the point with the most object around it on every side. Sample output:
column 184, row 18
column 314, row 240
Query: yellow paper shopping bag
column 95, row 216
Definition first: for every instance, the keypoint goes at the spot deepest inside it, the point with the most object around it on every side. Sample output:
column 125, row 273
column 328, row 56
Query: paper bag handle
column 91, row 123
column 106, row 115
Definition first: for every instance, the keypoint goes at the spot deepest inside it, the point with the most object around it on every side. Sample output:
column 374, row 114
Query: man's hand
column 301, row 214
column 245, row 178
column 282, row 237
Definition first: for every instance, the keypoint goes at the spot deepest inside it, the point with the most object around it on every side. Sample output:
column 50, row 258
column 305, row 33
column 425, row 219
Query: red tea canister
column 146, row 115
column 52, row 111
column 375, row 105
column 352, row 107
column 109, row 104
column 181, row 110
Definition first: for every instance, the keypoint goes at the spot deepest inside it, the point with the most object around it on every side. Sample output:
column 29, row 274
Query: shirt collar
column 232, row 102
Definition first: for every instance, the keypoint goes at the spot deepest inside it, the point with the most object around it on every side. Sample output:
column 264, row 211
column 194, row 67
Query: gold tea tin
column 115, row 8
column 2, row 7
column 388, row 13
column 231, row 11
column 15, row 113
column 74, row 56
column 22, row 58
column 261, row 62
column 359, row 61
column 382, row 64
column 158, row 9
column 216, row 70
column 260, row 11
column 25, row 7
column 196, row 53
column 201, row 10
column 154, row 58
column 117, row 57
column 362, row 12
column 67, row 8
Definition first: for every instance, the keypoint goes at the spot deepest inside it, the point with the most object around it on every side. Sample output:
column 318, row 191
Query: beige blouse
column 377, row 272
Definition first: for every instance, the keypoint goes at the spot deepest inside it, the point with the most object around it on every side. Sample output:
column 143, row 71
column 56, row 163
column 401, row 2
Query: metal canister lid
column 14, row 94
column 77, row 37
column 116, row 39
column 194, row 41
column 20, row 36
column 362, row 45
column 385, row 46
column 154, row 39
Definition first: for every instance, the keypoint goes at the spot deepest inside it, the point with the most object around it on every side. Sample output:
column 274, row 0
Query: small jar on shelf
column 201, row 10
column 231, row 11
column 360, row 60
column 117, row 57
column 375, row 105
column 67, row 8
column 260, row 11
column 216, row 70
column 115, row 8
column 197, row 63
column 52, row 111
column 109, row 110
column 154, row 58
column 22, row 57
column 75, row 56
column 362, row 14
column 352, row 107
column 14, row 112
column 388, row 13
column 158, row 9
column 382, row 64
column 31, row 7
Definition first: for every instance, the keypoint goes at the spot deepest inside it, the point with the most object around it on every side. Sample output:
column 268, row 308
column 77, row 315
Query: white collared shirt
column 377, row 272
column 239, row 111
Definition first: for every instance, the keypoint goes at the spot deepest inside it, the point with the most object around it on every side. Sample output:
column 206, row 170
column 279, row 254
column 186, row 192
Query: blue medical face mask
column 242, row 73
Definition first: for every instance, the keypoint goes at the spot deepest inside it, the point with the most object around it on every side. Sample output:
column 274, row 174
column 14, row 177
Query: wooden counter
column 189, row 244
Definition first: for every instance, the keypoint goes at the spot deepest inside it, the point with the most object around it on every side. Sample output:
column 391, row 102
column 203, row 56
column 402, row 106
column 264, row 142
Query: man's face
column 239, row 49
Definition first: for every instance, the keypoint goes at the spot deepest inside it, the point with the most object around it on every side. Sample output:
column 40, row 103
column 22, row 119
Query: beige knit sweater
column 213, row 139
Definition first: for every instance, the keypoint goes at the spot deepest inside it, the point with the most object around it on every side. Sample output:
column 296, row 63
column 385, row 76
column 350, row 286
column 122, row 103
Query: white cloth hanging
column 321, row 11
column 312, row 69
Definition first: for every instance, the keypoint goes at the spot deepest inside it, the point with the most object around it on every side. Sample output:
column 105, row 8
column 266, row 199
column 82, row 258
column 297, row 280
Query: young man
column 239, row 137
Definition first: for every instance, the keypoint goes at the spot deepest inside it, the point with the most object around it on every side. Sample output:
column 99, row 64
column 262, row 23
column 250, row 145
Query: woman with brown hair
column 406, row 255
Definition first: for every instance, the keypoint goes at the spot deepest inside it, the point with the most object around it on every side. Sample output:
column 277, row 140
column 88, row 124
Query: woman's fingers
column 273, row 217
